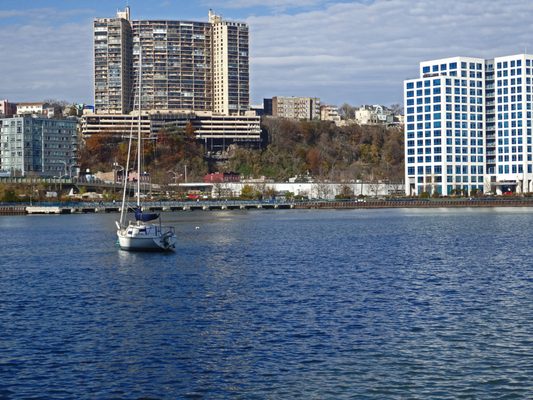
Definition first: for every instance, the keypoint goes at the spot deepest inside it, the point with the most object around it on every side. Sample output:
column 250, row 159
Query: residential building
column 231, row 86
column 257, row 109
column 373, row 115
column 7, row 109
column 176, row 65
column 216, row 131
column 267, row 107
column 307, row 108
column 219, row 177
column 32, row 108
column 468, row 126
column 115, row 124
column 330, row 113
column 36, row 145
column 220, row 131
column 186, row 65
column 113, row 47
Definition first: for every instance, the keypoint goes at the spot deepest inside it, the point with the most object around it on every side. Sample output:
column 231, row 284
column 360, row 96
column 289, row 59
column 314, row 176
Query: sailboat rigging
column 140, row 235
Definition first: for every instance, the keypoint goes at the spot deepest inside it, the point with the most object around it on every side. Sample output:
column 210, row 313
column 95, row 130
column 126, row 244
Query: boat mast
column 125, row 177
column 139, row 130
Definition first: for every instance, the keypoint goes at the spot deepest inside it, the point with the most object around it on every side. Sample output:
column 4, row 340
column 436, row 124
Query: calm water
column 271, row 304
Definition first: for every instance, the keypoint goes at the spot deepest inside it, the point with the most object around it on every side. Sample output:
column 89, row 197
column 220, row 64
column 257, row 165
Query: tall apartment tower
column 468, row 126
column 113, row 64
column 186, row 65
column 176, row 65
column 231, row 86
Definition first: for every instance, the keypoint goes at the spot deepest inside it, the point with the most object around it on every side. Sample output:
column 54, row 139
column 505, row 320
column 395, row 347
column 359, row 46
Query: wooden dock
column 12, row 210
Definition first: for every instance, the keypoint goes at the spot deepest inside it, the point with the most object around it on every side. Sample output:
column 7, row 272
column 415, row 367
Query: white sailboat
column 140, row 234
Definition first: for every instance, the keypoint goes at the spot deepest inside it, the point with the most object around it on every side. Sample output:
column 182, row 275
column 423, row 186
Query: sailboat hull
column 146, row 237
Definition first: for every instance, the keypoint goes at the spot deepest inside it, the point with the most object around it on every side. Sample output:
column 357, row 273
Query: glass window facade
column 484, row 109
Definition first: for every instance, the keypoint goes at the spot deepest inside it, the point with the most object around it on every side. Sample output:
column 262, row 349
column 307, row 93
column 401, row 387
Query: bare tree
column 322, row 190
column 347, row 111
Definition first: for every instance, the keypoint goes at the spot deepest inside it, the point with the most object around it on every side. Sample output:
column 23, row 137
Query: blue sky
column 357, row 52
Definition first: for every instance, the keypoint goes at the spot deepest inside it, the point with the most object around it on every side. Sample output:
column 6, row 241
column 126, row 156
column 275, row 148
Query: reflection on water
column 275, row 304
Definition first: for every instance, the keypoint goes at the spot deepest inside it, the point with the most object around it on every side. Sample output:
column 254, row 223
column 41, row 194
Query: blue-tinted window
column 425, row 69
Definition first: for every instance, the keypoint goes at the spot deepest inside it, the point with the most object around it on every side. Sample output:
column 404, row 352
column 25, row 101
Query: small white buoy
column 197, row 227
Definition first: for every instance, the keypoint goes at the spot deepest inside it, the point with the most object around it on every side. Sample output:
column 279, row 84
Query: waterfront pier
column 174, row 206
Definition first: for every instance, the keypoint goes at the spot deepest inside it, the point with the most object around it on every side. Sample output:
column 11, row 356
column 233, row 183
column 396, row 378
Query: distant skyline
column 357, row 52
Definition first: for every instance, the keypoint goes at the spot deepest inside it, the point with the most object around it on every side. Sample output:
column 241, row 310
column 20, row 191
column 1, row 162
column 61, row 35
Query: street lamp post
column 176, row 175
column 63, row 175
column 116, row 169
column 65, row 169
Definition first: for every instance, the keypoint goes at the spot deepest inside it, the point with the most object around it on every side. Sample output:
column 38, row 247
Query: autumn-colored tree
column 313, row 160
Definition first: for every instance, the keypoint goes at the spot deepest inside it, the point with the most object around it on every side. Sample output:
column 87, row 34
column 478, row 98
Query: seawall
column 69, row 208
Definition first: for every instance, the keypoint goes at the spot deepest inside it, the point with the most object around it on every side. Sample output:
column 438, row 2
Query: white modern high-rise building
column 468, row 126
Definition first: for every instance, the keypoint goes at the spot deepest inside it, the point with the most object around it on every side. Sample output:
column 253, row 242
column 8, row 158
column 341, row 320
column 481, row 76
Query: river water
column 271, row 304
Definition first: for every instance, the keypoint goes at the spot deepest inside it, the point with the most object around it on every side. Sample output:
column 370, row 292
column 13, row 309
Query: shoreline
column 87, row 208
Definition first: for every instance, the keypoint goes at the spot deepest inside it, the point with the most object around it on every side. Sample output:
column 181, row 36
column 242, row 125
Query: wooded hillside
column 325, row 151
column 316, row 148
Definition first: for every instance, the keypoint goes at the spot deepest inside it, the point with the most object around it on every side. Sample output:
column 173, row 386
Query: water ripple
column 279, row 304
